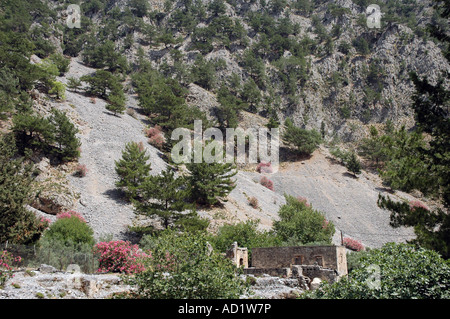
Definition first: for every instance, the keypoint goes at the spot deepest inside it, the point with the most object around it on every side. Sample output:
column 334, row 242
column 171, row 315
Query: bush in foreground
column 395, row 271
column 184, row 265
column 6, row 266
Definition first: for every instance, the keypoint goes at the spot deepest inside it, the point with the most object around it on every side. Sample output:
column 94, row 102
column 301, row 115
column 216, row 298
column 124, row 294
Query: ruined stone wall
column 332, row 257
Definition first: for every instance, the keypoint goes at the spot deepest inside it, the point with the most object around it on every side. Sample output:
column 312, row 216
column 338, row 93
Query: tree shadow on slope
column 117, row 195
column 288, row 155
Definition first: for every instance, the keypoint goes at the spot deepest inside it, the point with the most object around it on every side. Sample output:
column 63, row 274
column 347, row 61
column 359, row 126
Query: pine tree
column 101, row 82
column 210, row 182
column 163, row 196
column 67, row 143
column 73, row 84
column 374, row 147
column 430, row 165
column 116, row 103
column 353, row 164
column 32, row 132
column 17, row 224
column 132, row 169
column 305, row 141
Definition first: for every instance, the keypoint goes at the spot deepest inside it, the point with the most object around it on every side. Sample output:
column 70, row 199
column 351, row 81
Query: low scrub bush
column 155, row 136
column 353, row 244
column 265, row 168
column 266, row 183
column 253, row 201
column 183, row 265
column 81, row 170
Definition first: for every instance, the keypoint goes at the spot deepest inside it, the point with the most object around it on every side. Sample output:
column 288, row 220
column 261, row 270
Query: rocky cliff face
column 345, row 87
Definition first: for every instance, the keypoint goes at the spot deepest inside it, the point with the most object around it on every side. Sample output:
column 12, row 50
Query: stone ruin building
column 327, row 263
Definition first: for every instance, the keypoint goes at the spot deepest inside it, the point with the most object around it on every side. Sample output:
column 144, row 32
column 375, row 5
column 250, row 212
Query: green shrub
column 395, row 271
column 184, row 266
column 70, row 230
column 246, row 234
column 61, row 254
column 305, row 141
column 300, row 224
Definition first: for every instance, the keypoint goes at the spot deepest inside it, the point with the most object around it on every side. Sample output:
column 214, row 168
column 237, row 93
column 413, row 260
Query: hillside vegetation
column 87, row 114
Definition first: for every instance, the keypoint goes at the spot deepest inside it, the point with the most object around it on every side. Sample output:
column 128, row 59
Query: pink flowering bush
column 266, row 183
column 120, row 256
column 417, row 204
column 157, row 141
column 153, row 131
column 70, row 214
column 353, row 244
column 6, row 262
column 325, row 223
column 303, row 200
column 44, row 223
column 155, row 136
column 264, row 167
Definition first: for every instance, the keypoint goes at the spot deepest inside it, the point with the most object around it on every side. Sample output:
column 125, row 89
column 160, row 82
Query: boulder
column 315, row 283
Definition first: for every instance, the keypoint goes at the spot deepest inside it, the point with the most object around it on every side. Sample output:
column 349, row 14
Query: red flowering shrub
column 157, row 141
column 417, row 204
column 81, row 170
column 353, row 244
column 264, row 167
column 266, row 183
column 155, row 136
column 325, row 223
column 153, row 131
column 6, row 262
column 44, row 223
column 120, row 256
column 70, row 214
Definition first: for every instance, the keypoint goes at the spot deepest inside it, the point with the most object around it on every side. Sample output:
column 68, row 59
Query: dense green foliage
column 210, row 182
column 163, row 197
column 425, row 166
column 246, row 234
column 304, row 141
column 133, row 168
column 17, row 224
column 183, row 266
column 55, row 135
column 395, row 271
column 300, row 224
column 70, row 231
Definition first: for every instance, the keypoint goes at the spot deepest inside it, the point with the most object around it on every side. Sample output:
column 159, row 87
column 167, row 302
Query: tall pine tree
column 210, row 182
column 163, row 196
column 67, row 143
column 132, row 169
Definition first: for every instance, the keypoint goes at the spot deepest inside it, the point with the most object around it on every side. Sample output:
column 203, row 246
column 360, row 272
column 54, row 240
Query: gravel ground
column 351, row 204
column 37, row 284
column 103, row 137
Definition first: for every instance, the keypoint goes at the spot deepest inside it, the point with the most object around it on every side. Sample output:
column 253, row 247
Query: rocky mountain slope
column 347, row 77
